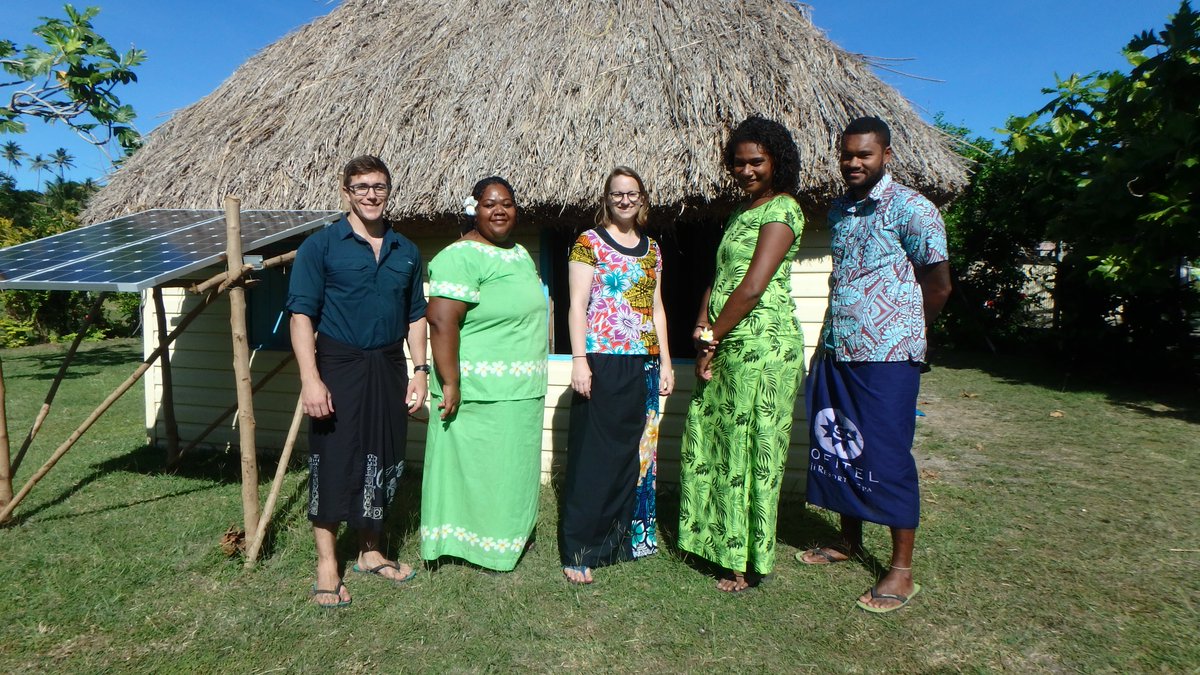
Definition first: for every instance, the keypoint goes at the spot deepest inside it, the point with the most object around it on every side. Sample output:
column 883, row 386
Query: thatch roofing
column 549, row 93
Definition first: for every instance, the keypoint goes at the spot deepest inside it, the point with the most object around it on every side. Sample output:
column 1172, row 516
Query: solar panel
column 140, row 251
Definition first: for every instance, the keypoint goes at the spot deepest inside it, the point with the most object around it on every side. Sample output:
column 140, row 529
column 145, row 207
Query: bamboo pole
column 267, row 377
column 168, row 385
column 241, row 363
column 6, row 473
column 104, row 406
column 88, row 320
column 280, row 471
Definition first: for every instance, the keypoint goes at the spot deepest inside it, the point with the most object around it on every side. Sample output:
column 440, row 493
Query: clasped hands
column 706, row 349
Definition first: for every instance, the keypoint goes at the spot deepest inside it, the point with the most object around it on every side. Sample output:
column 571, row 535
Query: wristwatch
column 423, row 368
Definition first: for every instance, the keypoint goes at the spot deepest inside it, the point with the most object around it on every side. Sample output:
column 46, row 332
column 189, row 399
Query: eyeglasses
column 621, row 196
column 361, row 189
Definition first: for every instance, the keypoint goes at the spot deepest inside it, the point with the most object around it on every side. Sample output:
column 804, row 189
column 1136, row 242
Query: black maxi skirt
column 602, row 462
column 357, row 455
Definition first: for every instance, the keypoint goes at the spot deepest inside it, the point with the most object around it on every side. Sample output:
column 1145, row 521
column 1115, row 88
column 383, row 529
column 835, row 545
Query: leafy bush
column 16, row 333
column 997, row 294
column 1107, row 171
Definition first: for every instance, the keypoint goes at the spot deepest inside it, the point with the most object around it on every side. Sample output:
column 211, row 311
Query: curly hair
column 777, row 141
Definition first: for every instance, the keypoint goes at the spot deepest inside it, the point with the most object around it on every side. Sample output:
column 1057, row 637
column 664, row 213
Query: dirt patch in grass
column 950, row 436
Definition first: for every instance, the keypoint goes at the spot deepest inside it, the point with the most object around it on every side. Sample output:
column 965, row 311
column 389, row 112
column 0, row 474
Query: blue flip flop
column 876, row 595
column 378, row 568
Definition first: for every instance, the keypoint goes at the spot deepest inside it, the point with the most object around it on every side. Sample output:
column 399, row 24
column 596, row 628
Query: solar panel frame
column 142, row 250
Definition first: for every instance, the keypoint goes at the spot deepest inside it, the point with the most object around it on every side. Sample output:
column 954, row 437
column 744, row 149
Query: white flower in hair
column 469, row 205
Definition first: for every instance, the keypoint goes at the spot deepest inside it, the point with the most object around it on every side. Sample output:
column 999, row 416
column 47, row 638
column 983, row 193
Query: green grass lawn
column 1059, row 532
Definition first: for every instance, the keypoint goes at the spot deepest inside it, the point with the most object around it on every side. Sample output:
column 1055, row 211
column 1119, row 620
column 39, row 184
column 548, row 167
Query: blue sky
column 993, row 58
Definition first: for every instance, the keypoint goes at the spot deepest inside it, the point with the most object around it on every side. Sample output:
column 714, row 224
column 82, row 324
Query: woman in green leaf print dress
column 749, row 366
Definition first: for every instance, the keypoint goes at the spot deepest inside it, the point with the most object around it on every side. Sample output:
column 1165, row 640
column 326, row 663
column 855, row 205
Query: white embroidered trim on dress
column 514, row 254
column 498, row 368
column 451, row 289
column 461, row 534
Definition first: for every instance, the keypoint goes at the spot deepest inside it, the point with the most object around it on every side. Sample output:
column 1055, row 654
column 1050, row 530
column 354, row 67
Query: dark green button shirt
column 350, row 297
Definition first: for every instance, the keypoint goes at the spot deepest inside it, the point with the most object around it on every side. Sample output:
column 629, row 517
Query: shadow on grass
column 43, row 363
column 134, row 462
column 285, row 517
column 798, row 526
column 221, row 468
column 1159, row 399
column 112, row 507
column 215, row 467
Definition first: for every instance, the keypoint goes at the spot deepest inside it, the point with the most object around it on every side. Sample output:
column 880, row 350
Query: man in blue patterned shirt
column 890, row 280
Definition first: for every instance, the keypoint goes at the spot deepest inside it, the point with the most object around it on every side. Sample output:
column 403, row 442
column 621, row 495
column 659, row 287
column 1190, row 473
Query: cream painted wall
column 202, row 364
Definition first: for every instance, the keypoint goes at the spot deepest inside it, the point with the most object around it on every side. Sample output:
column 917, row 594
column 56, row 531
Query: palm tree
column 39, row 164
column 12, row 154
column 62, row 195
column 62, row 160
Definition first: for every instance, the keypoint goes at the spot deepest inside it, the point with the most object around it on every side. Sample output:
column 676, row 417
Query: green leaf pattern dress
column 739, row 424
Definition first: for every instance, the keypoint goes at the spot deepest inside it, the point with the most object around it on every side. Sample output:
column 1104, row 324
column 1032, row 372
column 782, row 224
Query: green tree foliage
column 1108, row 169
column 39, row 316
column 990, row 245
column 16, row 207
column 70, row 78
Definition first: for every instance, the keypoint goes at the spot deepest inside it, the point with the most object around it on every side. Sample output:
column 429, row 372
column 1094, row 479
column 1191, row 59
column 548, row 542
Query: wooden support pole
column 224, row 281
column 104, row 406
column 88, row 320
column 168, row 385
column 267, row 377
column 6, row 493
column 280, row 471
column 241, row 364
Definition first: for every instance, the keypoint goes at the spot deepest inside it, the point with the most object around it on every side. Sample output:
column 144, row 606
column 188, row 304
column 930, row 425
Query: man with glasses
column 358, row 285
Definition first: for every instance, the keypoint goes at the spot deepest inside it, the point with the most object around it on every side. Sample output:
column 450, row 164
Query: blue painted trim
column 567, row 357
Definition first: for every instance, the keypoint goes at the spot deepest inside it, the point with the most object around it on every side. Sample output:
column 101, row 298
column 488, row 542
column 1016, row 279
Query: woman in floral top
column 620, row 365
column 487, row 319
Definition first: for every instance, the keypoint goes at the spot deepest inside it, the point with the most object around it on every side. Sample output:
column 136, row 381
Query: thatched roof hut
column 550, row 94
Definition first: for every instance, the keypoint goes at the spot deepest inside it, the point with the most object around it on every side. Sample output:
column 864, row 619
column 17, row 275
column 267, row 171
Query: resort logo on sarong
column 837, row 434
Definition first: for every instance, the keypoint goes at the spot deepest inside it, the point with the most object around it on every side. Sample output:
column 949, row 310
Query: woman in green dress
column 749, row 366
column 488, row 332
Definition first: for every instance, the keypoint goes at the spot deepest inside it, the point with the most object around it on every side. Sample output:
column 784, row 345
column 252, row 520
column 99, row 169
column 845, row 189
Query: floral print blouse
column 620, row 314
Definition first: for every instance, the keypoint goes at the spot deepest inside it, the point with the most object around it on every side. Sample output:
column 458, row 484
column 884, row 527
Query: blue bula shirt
column 876, row 310
column 349, row 296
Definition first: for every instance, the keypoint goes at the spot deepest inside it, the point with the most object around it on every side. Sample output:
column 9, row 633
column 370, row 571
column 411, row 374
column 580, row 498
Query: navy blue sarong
column 861, row 420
